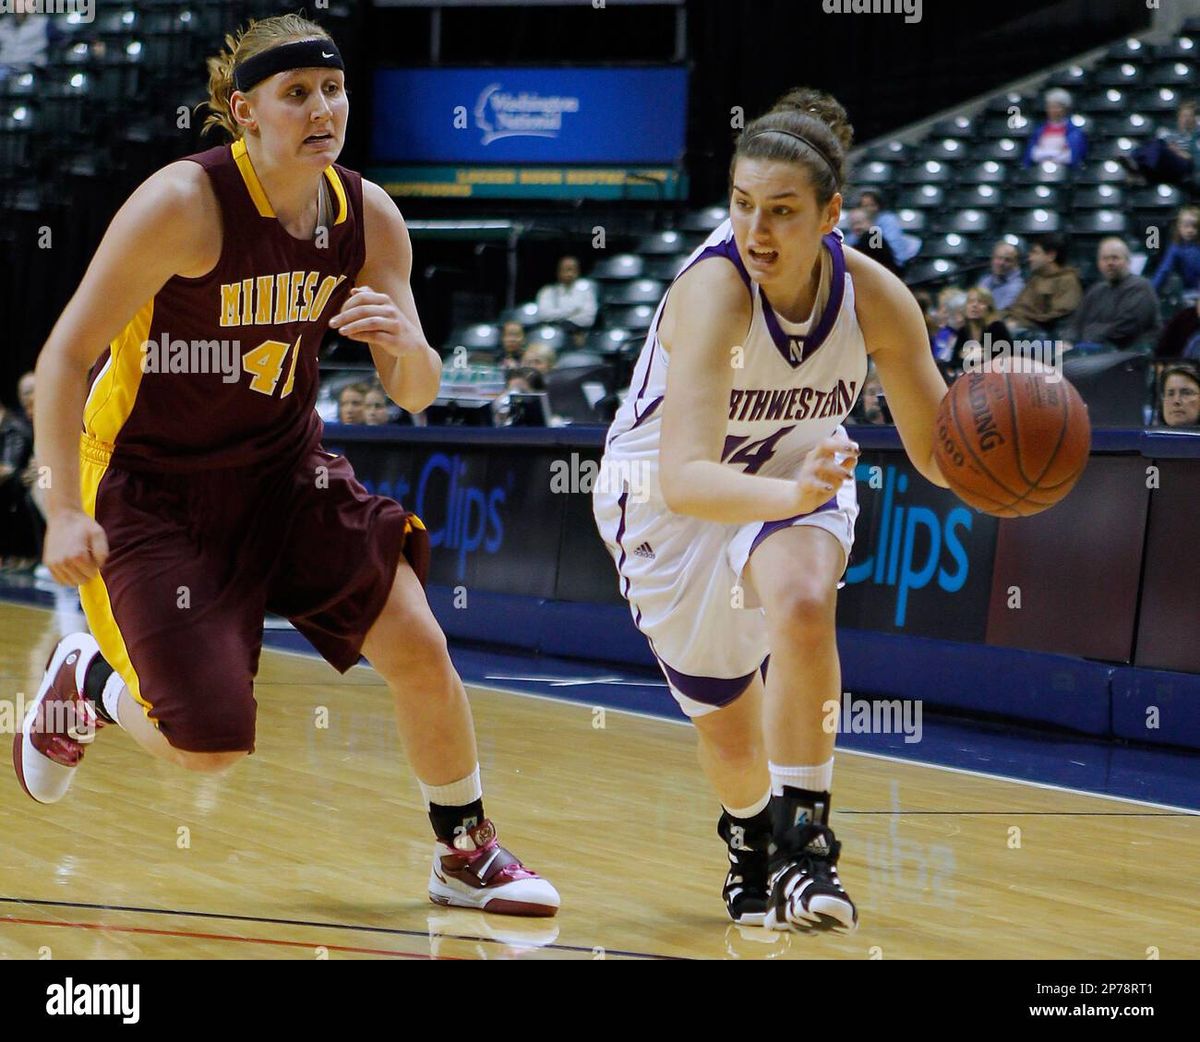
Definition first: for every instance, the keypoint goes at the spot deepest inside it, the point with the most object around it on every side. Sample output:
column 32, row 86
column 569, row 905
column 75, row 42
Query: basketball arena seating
column 111, row 106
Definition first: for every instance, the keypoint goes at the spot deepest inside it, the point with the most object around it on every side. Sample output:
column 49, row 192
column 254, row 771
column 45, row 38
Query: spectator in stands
column 1179, row 400
column 1004, row 282
column 1120, row 311
column 904, row 247
column 1181, row 338
column 1183, row 255
column 350, row 402
column 872, row 407
column 570, row 299
column 1170, row 157
column 541, row 357
column 25, row 38
column 928, row 308
column 18, row 531
column 1056, row 139
column 25, row 395
column 981, row 327
column 1052, row 291
column 375, row 407
column 870, row 240
column 524, row 380
column 512, row 345
column 952, row 305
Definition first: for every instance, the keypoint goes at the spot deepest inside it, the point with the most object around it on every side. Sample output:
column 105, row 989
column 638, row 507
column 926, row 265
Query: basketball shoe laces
column 814, row 850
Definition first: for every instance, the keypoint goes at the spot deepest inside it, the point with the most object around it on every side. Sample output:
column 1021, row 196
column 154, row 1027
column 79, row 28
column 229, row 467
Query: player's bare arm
column 169, row 226
column 381, row 311
column 896, row 339
column 706, row 317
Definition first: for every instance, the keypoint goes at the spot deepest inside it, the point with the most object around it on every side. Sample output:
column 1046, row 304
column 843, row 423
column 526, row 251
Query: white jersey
column 688, row 582
column 793, row 383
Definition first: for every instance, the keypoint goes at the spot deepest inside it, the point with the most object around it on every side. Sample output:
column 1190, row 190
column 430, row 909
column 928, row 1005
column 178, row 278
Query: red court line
column 221, row 937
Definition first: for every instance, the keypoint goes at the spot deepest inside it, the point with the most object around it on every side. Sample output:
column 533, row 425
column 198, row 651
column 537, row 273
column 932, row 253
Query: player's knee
column 417, row 647
column 208, row 763
column 805, row 611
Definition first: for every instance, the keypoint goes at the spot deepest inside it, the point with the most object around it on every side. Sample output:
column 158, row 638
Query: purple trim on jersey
column 727, row 249
column 647, row 414
column 771, row 527
column 810, row 342
column 620, row 532
column 712, row 691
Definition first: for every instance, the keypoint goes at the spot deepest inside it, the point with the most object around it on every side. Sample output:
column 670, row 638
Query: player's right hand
column 822, row 474
column 75, row 547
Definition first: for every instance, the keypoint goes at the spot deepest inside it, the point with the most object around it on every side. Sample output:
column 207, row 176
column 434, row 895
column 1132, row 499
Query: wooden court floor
column 317, row 847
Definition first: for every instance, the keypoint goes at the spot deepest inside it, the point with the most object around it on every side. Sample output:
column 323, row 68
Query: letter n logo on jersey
column 795, row 351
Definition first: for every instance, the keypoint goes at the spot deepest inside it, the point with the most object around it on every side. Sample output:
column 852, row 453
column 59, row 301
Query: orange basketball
column 1012, row 444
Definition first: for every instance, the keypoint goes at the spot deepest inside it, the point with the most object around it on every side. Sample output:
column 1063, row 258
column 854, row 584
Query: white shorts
column 684, row 580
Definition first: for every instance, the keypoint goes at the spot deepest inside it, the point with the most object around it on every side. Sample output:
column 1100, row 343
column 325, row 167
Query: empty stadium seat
column 978, row 197
column 618, row 267
column 547, row 336
column 526, row 314
column 1100, row 197
column 1036, row 197
column 664, row 268
column 663, row 244
column 930, row 172
column 988, row 172
column 921, row 197
column 637, row 317
column 703, row 220
column 635, row 291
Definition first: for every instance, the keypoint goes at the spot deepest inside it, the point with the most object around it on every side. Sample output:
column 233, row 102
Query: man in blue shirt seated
column 1004, row 282
column 904, row 247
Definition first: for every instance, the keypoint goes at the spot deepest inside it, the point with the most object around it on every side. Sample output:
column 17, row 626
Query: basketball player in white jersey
column 729, row 499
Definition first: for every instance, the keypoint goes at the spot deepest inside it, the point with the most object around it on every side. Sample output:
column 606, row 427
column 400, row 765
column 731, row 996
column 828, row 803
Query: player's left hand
column 376, row 319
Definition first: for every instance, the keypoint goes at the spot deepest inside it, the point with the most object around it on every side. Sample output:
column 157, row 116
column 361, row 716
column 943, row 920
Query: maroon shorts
column 195, row 560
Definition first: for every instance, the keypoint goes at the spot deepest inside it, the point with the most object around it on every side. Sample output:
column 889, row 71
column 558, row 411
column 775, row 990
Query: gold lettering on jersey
column 282, row 299
column 247, row 302
column 282, row 281
column 231, row 303
column 328, row 285
column 310, row 284
column 294, row 296
column 262, row 310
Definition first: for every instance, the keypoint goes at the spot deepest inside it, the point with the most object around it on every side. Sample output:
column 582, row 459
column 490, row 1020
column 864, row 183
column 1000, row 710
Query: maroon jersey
column 221, row 370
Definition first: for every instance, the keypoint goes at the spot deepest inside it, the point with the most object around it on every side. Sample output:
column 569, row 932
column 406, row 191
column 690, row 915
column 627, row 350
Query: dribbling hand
column 377, row 320
column 75, row 547
column 822, row 475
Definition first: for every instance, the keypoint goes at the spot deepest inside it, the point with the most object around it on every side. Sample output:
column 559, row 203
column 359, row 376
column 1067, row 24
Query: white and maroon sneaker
column 59, row 723
column 476, row 872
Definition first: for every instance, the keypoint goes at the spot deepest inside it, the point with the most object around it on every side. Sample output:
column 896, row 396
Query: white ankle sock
column 456, row 794
column 748, row 812
column 110, row 696
column 818, row 778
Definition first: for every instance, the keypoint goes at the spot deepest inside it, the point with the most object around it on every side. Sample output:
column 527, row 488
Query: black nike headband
column 303, row 54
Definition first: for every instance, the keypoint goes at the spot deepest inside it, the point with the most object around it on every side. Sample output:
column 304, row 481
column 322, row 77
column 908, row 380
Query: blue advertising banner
column 540, row 115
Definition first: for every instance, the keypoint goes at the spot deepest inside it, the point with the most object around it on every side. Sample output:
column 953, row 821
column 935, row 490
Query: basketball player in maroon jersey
column 196, row 500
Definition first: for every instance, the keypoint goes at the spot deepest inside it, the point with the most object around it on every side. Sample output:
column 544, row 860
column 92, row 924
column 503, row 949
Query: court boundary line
column 1188, row 811
column 840, row 750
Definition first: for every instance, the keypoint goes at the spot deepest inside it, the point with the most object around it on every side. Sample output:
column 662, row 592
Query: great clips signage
column 922, row 560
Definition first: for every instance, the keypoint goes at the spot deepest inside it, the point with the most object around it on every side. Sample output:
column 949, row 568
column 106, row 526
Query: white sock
column 456, row 794
column 748, row 812
column 110, row 696
column 817, row 778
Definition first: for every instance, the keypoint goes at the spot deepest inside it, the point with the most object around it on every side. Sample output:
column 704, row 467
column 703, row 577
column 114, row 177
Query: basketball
column 1012, row 444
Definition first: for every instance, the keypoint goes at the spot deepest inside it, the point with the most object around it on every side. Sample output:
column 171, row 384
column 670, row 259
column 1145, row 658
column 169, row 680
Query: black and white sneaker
column 804, row 890
column 745, row 889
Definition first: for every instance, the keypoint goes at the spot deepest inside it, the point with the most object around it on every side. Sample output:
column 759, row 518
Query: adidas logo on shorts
column 644, row 551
